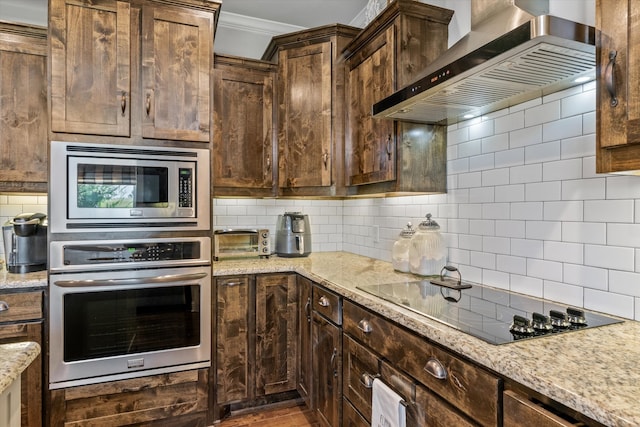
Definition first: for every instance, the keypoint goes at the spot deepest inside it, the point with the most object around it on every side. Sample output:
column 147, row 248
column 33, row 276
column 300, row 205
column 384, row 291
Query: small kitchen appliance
column 427, row 251
column 241, row 243
column 25, row 243
column 293, row 235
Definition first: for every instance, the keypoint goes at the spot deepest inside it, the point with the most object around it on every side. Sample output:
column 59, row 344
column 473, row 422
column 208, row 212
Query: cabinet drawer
column 328, row 304
column 22, row 306
column 351, row 417
column 467, row 387
column 519, row 410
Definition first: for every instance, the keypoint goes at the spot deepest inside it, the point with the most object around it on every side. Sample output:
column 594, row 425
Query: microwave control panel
column 185, row 188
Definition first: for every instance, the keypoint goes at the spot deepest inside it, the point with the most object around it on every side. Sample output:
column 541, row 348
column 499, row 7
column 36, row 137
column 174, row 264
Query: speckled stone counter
column 37, row 279
column 595, row 371
column 15, row 358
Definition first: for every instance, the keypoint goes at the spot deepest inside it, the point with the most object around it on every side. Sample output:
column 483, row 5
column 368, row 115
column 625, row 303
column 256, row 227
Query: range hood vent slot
column 543, row 55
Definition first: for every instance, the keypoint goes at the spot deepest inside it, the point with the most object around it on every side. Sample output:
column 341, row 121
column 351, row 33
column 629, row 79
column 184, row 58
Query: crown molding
column 250, row 24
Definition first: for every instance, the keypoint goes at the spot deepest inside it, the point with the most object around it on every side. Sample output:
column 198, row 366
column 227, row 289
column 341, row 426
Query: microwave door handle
column 130, row 281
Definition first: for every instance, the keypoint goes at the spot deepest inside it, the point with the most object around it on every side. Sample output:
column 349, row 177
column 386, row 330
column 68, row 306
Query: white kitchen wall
column 325, row 218
column 525, row 209
column 12, row 205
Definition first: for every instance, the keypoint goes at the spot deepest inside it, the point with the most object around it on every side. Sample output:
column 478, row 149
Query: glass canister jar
column 427, row 251
column 400, row 250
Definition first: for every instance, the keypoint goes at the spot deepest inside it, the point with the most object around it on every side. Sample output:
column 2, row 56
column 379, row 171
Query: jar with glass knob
column 400, row 250
column 427, row 251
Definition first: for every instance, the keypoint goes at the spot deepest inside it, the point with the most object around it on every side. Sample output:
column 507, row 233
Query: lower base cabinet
column 169, row 400
column 255, row 335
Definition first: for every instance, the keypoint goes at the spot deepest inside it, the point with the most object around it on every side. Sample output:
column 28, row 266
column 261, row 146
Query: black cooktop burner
column 494, row 315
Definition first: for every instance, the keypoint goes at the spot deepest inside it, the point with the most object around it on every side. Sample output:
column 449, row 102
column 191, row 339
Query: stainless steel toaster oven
column 241, row 243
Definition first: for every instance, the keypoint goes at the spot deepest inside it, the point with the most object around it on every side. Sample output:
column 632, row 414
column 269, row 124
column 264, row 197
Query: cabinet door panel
column 304, row 136
column 23, row 107
column 232, row 339
column 327, row 368
column 276, row 333
column 90, row 67
column 371, row 157
column 176, row 69
column 242, row 138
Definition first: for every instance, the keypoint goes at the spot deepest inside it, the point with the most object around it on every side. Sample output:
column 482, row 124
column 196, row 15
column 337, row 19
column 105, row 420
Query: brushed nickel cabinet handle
column 4, row 306
column 123, row 103
column 307, row 309
column 231, row 284
column 324, row 301
column 325, row 159
column 436, row 369
column 334, row 357
column 610, row 77
column 365, row 326
column 389, row 147
column 268, row 163
column 367, row 379
column 148, row 104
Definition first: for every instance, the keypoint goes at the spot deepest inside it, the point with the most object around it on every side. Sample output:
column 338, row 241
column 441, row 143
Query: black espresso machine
column 25, row 243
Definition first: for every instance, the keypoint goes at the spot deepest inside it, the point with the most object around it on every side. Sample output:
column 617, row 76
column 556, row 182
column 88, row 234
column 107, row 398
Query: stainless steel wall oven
column 123, row 309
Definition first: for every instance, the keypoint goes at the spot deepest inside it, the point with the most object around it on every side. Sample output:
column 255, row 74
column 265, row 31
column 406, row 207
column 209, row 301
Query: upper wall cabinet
column 618, row 99
column 242, row 150
column 310, row 109
column 23, row 108
column 101, row 50
column 384, row 156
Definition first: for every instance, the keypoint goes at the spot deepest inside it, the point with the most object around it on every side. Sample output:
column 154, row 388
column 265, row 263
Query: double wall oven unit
column 129, row 262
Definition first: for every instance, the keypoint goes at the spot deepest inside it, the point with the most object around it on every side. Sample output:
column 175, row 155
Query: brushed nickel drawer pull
column 435, row 368
column 324, row 301
column 610, row 77
column 307, row 310
column 4, row 306
column 365, row 326
column 123, row 103
column 231, row 284
column 367, row 379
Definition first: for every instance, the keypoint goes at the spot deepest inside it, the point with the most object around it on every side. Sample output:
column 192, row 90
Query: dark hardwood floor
column 281, row 415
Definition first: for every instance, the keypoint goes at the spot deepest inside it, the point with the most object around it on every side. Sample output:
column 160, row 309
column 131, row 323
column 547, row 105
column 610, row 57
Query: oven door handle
column 132, row 281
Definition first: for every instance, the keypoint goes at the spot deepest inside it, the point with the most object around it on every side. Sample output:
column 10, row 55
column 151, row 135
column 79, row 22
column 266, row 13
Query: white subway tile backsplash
column 482, row 162
column 564, row 293
column 527, row 210
column 511, row 264
column 585, row 276
column 494, row 143
column 497, row 279
column 509, row 193
column 578, row 147
column 623, row 187
column 481, row 195
column 525, row 174
column 613, row 257
column 546, row 152
column 509, row 122
column 624, row 282
column 584, row 232
column 562, row 170
column 470, row 148
column 470, row 180
column 543, row 269
column 564, row 211
column 482, row 227
column 527, row 248
column 560, row 129
column 609, row 210
column 495, row 211
column 609, row 302
column 483, row 260
column 547, row 112
column 481, row 130
column 623, row 235
column 579, row 103
column 495, row 177
column 583, row 189
column 544, row 230
column 496, row 245
column 527, row 136
column 527, row 285
column 543, row 191
column 508, row 228
column 564, row 252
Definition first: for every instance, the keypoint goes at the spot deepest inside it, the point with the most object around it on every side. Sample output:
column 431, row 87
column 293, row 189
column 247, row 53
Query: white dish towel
column 387, row 406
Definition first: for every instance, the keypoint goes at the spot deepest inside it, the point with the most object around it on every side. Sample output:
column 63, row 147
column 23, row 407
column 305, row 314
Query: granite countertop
column 15, row 358
column 37, row 279
column 594, row 371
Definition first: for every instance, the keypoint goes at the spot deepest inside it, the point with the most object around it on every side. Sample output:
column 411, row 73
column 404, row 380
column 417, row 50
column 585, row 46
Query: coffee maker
column 25, row 243
column 293, row 235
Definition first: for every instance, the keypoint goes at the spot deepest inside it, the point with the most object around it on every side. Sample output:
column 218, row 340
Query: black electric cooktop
column 494, row 315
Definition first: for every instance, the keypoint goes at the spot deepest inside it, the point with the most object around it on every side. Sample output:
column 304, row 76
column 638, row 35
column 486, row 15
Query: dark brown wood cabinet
column 310, row 110
column 327, row 356
column 101, row 50
column 23, row 108
column 255, row 339
column 618, row 94
column 384, row 156
column 451, row 390
column 171, row 400
column 23, row 322
column 305, row 349
column 242, row 151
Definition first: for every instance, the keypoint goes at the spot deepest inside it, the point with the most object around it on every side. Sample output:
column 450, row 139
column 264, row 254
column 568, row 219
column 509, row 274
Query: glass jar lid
column 408, row 231
column 429, row 224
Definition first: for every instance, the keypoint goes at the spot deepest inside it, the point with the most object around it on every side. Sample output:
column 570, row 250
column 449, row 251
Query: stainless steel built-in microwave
column 100, row 187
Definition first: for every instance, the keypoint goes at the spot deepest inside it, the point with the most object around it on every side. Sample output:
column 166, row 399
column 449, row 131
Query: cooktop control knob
column 521, row 326
column 576, row 316
column 559, row 319
column 541, row 323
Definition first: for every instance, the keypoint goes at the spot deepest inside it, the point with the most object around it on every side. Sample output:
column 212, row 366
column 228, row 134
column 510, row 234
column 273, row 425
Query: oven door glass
column 121, row 322
column 114, row 186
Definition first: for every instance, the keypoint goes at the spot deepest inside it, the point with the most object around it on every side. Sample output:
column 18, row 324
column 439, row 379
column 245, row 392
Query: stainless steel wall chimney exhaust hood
column 511, row 55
